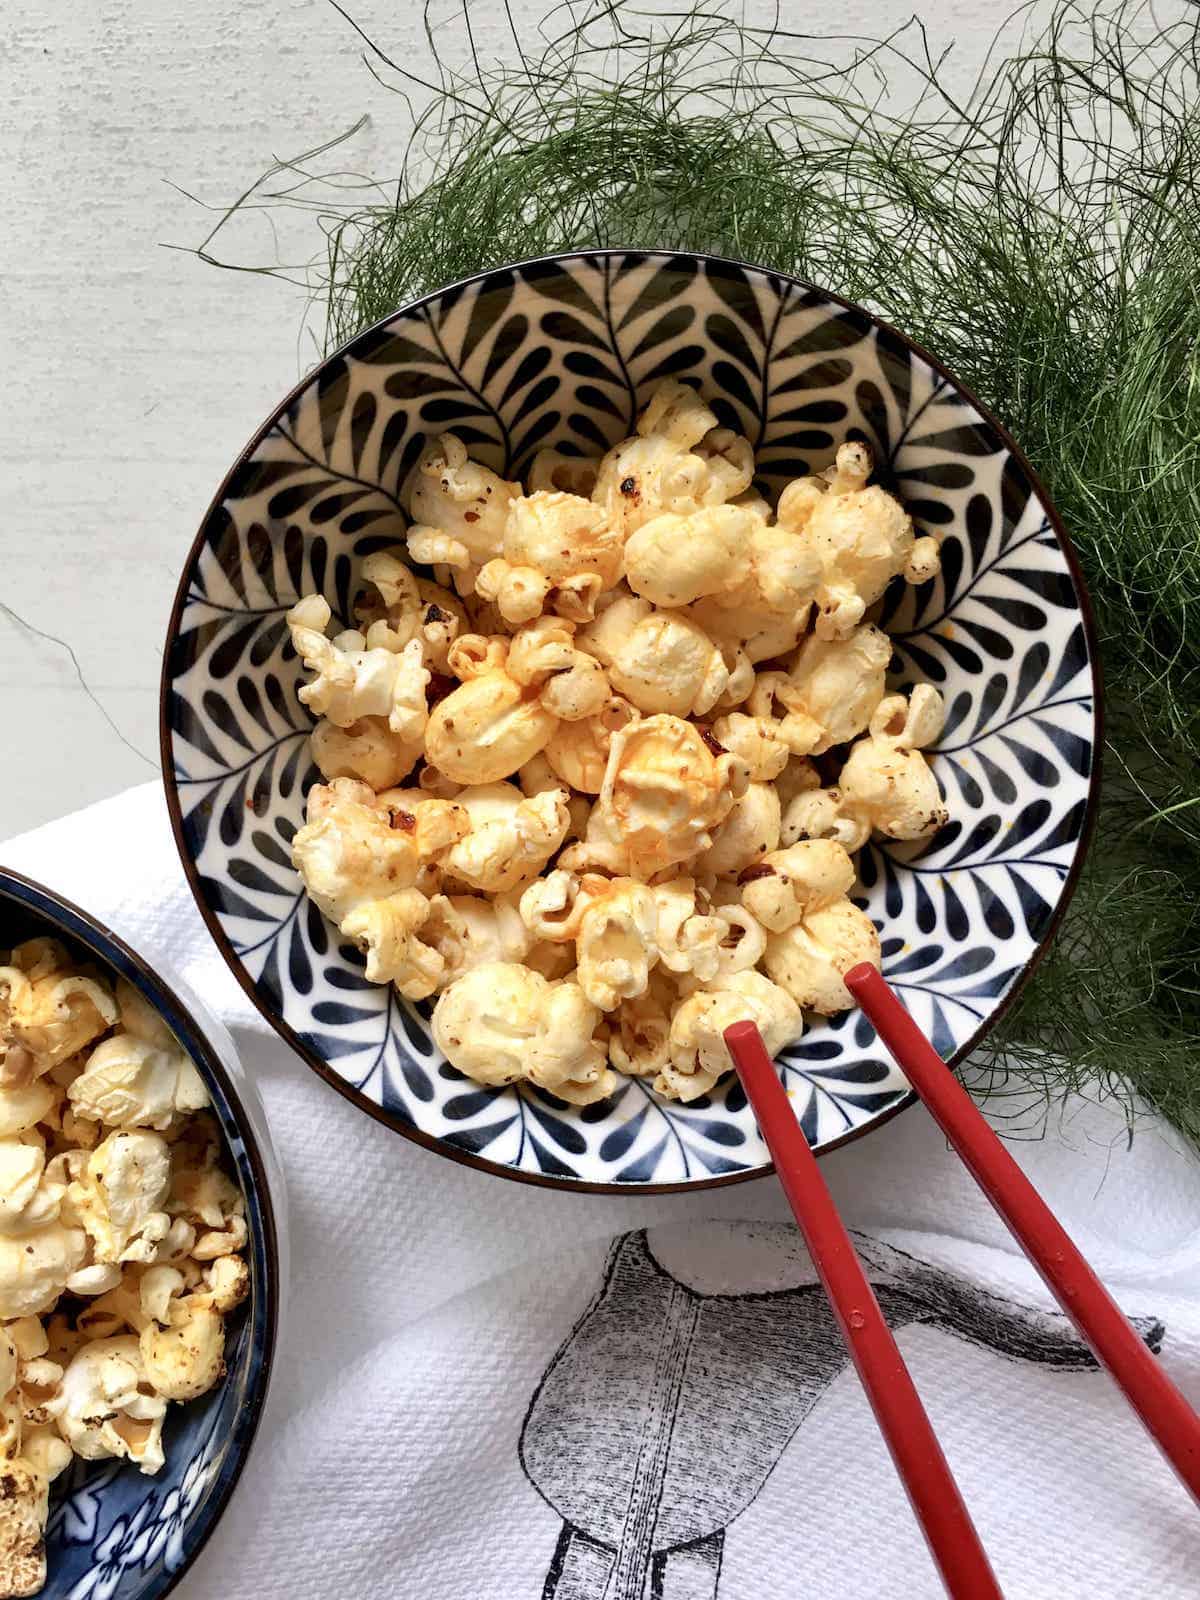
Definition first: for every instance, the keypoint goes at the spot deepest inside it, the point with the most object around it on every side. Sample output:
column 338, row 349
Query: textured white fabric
column 700, row 1435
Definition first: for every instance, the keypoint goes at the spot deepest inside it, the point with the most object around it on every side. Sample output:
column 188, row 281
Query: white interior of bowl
column 564, row 353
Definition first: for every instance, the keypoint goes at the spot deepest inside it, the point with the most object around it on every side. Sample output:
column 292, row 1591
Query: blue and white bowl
column 563, row 351
column 114, row 1534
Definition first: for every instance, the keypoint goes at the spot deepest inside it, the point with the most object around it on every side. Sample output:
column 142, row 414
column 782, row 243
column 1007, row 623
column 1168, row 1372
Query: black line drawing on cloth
column 663, row 1414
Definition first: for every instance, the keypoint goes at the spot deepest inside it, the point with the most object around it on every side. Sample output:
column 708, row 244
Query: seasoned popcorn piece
column 660, row 661
column 700, row 937
column 108, row 1406
column 48, row 1012
column 578, row 751
column 510, row 839
column 612, row 922
column 830, row 693
column 182, row 1345
column 757, row 741
column 675, row 560
column 757, row 634
column 886, row 781
column 355, row 848
column 543, row 656
column 29, row 1196
column 679, row 461
column 788, row 885
column 822, row 814
column 35, row 1267
column 615, row 944
column 487, row 728
column 537, row 776
column 558, row 548
column 470, row 931
column 389, row 933
column 810, row 958
column 120, row 1193
column 367, row 749
column 698, row 1055
column 461, row 499
column 749, row 831
column 351, row 681
column 501, row 1022
column 554, row 470
column 398, row 607
column 22, row 1109
column 131, row 1081
column 640, row 1029
column 861, row 536
column 24, row 1506
column 665, row 791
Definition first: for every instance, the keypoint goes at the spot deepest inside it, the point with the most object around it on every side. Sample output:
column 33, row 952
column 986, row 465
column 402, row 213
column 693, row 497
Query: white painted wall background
column 132, row 373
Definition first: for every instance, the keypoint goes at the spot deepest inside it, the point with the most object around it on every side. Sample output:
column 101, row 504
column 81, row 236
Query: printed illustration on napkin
column 662, row 1416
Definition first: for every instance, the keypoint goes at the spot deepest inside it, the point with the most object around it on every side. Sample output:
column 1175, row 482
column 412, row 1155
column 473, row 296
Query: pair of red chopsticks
column 939, row 1507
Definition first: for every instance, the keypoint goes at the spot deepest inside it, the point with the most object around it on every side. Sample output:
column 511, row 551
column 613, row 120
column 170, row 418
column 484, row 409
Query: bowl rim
column 112, row 950
column 292, row 1038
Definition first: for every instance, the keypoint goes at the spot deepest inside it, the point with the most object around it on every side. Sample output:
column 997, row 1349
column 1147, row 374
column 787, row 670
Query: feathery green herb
column 1041, row 234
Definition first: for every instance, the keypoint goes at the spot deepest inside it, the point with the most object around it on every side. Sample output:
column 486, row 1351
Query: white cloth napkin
column 493, row 1392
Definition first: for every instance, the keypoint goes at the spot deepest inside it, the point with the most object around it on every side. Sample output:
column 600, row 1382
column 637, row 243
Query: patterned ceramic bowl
column 114, row 1534
column 563, row 351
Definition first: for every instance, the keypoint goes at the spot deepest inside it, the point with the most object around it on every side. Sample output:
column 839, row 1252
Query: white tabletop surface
column 134, row 373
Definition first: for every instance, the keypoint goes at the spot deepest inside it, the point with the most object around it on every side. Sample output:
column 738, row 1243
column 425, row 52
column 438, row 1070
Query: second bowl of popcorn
column 604, row 649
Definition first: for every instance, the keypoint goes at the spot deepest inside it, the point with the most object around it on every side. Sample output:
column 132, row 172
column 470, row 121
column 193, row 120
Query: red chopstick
column 1171, row 1421
column 944, row 1518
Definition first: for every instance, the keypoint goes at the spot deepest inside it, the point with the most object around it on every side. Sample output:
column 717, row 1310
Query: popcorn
column 105, row 1407
column 746, row 629
column 697, row 1053
column 640, row 1029
column 581, row 870
column 468, row 931
column 130, row 1082
column 810, row 958
column 400, row 607
column 787, row 885
column 557, row 547
column 486, row 729
column 28, row 1201
column 47, row 1012
column 183, row 1344
column 353, row 849
column 664, row 662
column 119, row 1195
column 501, row 1023
column 554, row 470
column 821, row 814
column 387, row 932
column 367, row 749
column 352, row 681
column 465, row 502
column 615, row 943
column 831, row 691
column 543, row 655
column 673, row 560
column 860, row 536
column 757, row 741
column 22, row 1108
column 24, row 1506
column 887, row 783
column 665, row 791
column 511, row 838
column 577, row 752
column 747, row 834
column 679, row 461
column 36, row 1265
